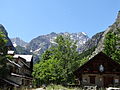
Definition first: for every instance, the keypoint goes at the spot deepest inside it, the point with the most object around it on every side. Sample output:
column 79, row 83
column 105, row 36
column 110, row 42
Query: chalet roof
column 101, row 55
column 28, row 58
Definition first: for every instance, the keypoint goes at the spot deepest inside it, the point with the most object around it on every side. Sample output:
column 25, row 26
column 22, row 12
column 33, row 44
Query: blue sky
column 28, row 19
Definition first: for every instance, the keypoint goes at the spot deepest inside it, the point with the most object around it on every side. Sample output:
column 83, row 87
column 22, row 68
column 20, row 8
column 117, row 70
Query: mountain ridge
column 48, row 40
column 41, row 43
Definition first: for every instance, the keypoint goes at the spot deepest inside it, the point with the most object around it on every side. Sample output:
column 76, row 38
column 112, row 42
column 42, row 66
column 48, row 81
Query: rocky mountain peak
column 18, row 42
column 53, row 33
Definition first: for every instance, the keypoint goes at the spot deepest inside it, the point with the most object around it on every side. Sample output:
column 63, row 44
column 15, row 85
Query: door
column 108, row 81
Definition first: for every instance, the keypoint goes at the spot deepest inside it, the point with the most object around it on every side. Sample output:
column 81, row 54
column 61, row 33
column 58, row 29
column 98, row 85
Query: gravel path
column 39, row 89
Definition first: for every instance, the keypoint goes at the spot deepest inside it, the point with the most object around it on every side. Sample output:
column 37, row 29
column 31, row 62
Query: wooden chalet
column 20, row 71
column 100, row 70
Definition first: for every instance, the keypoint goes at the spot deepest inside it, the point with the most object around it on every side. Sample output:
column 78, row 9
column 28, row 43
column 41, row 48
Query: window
column 116, row 80
column 92, row 79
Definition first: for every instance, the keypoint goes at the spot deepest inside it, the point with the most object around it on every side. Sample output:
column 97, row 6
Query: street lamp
column 101, row 68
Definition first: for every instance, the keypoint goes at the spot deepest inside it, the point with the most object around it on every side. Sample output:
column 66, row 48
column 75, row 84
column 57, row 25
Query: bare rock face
column 18, row 42
column 91, row 43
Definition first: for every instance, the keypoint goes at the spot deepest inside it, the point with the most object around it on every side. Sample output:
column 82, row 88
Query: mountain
column 39, row 44
column 18, row 42
column 9, row 43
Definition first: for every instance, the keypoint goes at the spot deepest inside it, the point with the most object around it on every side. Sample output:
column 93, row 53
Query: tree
column 58, row 62
column 47, row 72
column 112, row 45
column 3, row 56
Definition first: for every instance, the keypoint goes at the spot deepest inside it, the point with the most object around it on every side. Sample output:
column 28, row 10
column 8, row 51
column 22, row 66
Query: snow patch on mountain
column 14, row 44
